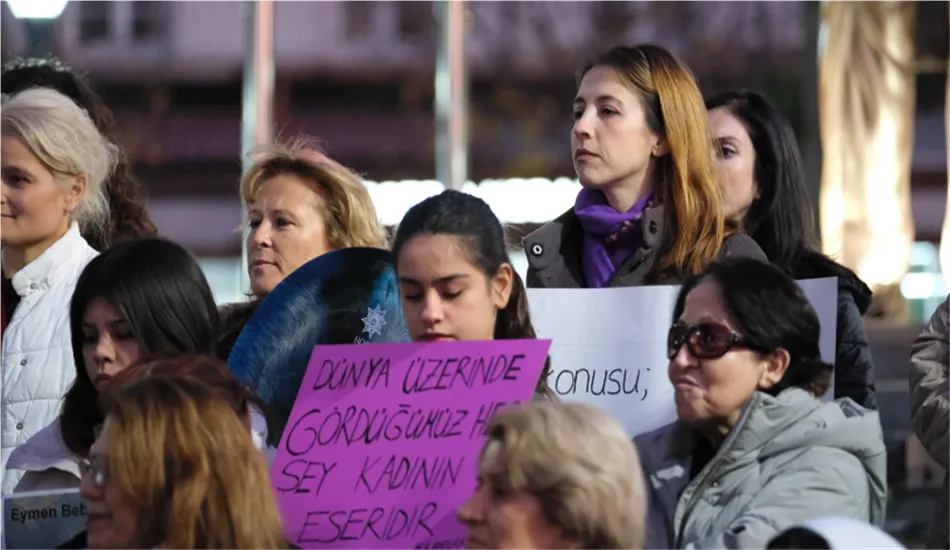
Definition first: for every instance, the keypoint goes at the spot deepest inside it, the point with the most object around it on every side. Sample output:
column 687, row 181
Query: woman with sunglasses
column 754, row 450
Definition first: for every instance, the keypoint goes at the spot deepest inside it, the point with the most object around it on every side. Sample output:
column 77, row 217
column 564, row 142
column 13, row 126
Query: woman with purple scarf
column 650, row 211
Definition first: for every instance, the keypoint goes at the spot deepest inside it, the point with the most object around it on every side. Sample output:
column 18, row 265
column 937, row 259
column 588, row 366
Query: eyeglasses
column 705, row 340
column 94, row 467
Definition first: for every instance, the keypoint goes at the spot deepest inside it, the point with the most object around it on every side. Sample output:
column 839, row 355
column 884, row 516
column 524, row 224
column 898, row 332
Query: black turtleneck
column 9, row 300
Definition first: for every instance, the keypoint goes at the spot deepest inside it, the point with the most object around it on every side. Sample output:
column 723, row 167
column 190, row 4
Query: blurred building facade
column 359, row 76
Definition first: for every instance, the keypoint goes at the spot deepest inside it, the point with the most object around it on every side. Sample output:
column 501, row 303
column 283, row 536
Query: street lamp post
column 257, row 115
column 39, row 19
column 451, row 95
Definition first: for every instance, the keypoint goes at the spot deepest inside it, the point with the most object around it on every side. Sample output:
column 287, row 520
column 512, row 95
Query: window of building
column 95, row 21
column 359, row 19
column 365, row 97
column 149, row 20
column 613, row 20
column 416, row 20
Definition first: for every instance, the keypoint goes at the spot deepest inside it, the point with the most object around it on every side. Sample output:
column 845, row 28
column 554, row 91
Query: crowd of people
column 115, row 356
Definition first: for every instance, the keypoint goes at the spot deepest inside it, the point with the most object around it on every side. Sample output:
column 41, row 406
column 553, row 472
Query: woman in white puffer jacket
column 54, row 164
column 140, row 299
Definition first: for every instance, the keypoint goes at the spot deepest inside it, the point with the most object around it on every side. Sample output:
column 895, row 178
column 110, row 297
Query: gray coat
column 554, row 253
column 930, row 407
column 789, row 458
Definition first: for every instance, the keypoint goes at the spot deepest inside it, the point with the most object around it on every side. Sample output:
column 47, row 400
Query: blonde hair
column 65, row 139
column 178, row 452
column 580, row 465
column 348, row 209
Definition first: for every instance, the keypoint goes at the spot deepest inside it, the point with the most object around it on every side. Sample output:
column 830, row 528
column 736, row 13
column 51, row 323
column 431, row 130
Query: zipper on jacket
column 699, row 484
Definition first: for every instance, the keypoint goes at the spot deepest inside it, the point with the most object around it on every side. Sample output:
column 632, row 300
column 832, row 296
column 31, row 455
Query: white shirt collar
column 42, row 272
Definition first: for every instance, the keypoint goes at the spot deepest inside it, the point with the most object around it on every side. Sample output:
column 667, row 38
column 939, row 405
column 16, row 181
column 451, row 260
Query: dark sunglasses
column 705, row 340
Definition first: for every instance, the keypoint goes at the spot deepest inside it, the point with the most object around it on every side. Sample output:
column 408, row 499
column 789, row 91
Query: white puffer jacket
column 37, row 355
column 47, row 464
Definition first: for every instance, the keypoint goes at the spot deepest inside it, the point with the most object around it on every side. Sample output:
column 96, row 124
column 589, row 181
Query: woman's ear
column 776, row 363
column 501, row 285
column 74, row 193
column 660, row 148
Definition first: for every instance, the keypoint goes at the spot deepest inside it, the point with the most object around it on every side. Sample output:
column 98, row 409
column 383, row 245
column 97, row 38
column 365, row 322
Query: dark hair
column 234, row 318
column 198, row 367
column 482, row 238
column 128, row 216
column 771, row 311
column 799, row 538
column 781, row 220
column 686, row 186
column 161, row 291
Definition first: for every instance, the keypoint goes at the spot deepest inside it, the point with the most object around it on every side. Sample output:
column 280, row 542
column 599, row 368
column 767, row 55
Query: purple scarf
column 610, row 238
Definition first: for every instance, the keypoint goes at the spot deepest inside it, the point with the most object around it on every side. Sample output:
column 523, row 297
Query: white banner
column 609, row 346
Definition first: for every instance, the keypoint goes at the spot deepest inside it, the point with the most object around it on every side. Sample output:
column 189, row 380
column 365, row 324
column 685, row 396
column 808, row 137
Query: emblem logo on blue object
column 374, row 321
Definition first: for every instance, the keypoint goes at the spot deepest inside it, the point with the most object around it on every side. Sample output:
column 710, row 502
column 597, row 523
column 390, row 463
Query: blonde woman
column 208, row 488
column 556, row 475
column 54, row 164
column 300, row 205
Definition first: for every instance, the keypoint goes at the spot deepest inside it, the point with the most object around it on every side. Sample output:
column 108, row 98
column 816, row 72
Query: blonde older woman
column 300, row 205
column 556, row 475
column 54, row 164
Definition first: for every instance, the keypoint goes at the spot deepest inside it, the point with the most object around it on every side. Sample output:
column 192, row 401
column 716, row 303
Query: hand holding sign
column 382, row 444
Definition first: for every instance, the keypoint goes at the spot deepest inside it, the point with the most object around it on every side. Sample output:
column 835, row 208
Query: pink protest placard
column 382, row 444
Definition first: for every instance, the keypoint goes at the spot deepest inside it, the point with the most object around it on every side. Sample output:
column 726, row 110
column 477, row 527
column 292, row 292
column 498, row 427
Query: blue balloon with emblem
column 342, row 297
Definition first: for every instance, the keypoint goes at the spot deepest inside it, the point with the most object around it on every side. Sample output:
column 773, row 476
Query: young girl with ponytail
column 455, row 278
column 650, row 211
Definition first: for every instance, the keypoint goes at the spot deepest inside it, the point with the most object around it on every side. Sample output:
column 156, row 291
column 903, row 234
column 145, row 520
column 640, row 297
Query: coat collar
column 763, row 416
column 46, row 450
column 554, row 250
column 50, row 267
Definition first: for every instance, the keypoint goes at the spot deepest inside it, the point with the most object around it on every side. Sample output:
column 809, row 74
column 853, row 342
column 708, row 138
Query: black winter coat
column 854, row 367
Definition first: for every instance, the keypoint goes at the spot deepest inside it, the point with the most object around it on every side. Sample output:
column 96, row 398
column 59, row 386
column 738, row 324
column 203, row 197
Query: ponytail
column 514, row 323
